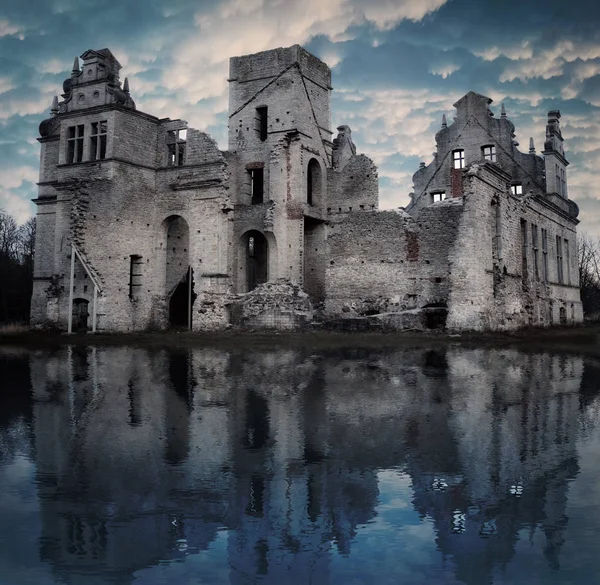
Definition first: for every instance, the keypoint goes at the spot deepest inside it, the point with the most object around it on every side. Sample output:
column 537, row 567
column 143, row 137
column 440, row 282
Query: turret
column 554, row 157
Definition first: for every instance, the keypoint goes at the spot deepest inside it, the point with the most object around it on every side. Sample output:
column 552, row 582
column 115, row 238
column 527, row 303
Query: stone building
column 144, row 223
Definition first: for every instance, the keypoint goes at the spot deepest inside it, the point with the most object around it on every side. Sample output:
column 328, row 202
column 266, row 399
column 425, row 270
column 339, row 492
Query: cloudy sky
column 397, row 66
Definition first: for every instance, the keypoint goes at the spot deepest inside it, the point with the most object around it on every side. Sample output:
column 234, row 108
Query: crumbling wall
column 354, row 187
column 373, row 262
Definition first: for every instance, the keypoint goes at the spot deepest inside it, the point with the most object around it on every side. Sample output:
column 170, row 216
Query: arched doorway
column 179, row 285
column 256, row 250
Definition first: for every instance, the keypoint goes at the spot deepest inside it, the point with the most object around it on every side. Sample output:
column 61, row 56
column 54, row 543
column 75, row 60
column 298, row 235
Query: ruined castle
column 144, row 223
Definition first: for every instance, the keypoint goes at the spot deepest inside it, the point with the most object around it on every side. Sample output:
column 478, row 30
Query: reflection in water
column 148, row 457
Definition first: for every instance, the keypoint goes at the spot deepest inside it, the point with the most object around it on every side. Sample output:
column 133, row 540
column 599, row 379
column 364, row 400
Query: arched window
column 313, row 182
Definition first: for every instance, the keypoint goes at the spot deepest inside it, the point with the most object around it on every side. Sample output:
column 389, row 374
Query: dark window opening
column 257, row 256
column 256, row 185
column 534, row 249
column 545, row 254
column 98, row 140
column 524, row 244
column 559, row 260
column 313, row 181
column 135, row 275
column 75, row 144
column 262, row 120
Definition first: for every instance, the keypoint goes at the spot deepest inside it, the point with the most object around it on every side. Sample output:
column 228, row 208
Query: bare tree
column 589, row 273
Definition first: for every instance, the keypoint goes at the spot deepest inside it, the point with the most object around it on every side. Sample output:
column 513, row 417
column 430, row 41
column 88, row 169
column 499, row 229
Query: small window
column 176, row 143
column 98, row 141
column 458, row 157
column 516, row 189
column 75, row 144
column 261, row 121
column 559, row 260
column 439, row 196
column 135, row 276
column 489, row 153
column 256, row 185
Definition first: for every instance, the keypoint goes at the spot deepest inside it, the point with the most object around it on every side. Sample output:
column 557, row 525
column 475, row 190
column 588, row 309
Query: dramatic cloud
column 398, row 65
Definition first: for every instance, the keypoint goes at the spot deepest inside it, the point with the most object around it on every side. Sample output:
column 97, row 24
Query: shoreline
column 581, row 339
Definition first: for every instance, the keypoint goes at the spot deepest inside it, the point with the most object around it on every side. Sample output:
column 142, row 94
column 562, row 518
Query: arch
column 178, row 276
column 314, row 182
column 256, row 253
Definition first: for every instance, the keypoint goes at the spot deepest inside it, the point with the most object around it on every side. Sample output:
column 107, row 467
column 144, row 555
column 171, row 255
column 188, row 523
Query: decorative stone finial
column 421, row 165
column 444, row 123
column 54, row 108
column 503, row 111
column 76, row 65
column 126, row 85
column 531, row 146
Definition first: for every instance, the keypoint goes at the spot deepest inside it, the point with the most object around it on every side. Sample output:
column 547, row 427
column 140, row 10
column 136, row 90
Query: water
column 451, row 466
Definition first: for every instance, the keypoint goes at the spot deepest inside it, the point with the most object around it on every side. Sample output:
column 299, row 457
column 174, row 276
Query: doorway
column 80, row 315
column 257, row 259
column 181, row 301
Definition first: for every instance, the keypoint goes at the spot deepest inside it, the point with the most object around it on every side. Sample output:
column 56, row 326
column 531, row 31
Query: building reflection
column 146, row 456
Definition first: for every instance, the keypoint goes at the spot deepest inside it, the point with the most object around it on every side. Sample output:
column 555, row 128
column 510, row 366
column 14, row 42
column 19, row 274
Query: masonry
column 144, row 223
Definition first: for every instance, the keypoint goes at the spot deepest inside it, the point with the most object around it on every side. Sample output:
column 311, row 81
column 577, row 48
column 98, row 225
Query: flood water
column 451, row 466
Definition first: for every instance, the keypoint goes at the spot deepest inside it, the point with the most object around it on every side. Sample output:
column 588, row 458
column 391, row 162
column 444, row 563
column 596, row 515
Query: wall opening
column 80, row 315
column 262, row 122
column 178, row 276
column 257, row 185
column 181, row 301
column 313, row 182
column 257, row 258
column 314, row 259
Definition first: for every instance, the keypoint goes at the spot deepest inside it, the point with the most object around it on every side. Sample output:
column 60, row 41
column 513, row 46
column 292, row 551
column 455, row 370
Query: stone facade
column 152, row 225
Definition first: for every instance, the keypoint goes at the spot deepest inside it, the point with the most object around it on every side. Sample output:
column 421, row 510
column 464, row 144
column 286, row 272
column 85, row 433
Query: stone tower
column 554, row 156
column 280, row 137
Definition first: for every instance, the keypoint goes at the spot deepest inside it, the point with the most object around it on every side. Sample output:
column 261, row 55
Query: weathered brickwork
column 145, row 223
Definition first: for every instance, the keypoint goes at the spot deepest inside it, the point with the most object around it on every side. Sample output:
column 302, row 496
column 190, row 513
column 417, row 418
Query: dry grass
column 13, row 328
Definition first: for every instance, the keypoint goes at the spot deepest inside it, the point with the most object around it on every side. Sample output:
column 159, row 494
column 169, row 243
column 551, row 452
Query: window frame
column 488, row 152
column 516, row 188
column 441, row 194
column 98, row 140
column 75, row 143
column 460, row 158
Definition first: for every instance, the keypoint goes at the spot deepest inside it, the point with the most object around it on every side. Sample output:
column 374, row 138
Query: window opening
column 516, row 189
column 439, row 196
column 489, row 153
column 458, row 156
column 545, row 254
column 261, row 117
column 524, row 244
column 313, row 182
column 256, row 185
column 567, row 261
column 534, row 248
column 75, row 144
column 98, row 140
column 559, row 260
column 135, row 275
column 176, row 143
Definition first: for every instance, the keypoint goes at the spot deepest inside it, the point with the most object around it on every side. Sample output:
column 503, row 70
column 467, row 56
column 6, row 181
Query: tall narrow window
column 135, row 276
column 75, row 144
column 545, row 255
column 489, row 153
column 458, row 158
column 313, row 182
column 567, row 261
column 257, row 185
column 559, row 260
column 176, row 143
column 534, row 249
column 524, row 245
column 261, row 122
column 98, row 141
column 516, row 189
